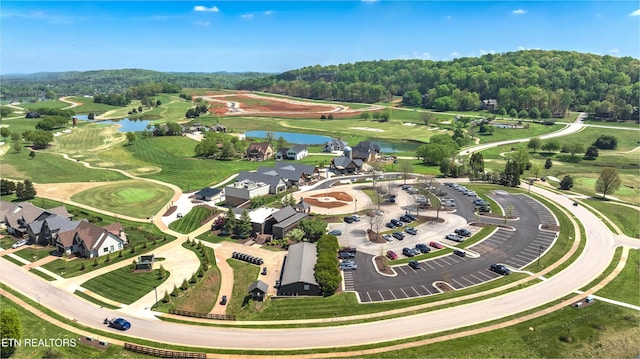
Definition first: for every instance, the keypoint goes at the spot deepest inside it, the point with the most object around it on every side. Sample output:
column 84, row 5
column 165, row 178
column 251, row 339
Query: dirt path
column 73, row 104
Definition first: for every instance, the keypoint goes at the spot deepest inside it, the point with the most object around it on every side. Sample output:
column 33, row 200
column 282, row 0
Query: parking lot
column 514, row 248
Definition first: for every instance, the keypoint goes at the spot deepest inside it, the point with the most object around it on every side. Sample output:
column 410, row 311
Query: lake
column 126, row 124
column 307, row 139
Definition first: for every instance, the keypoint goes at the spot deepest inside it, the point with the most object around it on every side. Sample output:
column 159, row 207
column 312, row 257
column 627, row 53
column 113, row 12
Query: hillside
column 23, row 86
column 556, row 80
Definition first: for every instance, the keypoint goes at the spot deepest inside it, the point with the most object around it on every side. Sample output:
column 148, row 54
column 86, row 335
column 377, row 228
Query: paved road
column 574, row 127
column 595, row 258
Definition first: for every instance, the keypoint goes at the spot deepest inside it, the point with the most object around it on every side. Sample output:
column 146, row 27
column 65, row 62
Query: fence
column 161, row 353
column 202, row 315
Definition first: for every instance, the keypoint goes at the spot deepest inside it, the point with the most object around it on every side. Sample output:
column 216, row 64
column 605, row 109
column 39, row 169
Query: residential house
column 335, row 144
column 365, row 150
column 243, row 190
column 206, row 194
column 294, row 153
column 490, row 104
column 275, row 182
column 219, row 128
column 286, row 219
column 258, row 290
column 259, row 151
column 294, row 174
column 17, row 216
column 346, row 165
column 88, row 240
column 42, row 231
column 298, row 275
column 261, row 219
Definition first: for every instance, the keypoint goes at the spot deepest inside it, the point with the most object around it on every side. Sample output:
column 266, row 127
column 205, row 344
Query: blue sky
column 266, row 36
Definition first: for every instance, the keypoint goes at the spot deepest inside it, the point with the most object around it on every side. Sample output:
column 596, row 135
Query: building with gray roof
column 298, row 275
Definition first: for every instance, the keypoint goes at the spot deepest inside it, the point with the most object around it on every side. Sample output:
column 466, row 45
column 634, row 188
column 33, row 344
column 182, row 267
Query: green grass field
column 57, row 104
column 88, row 106
column 624, row 217
column 191, row 221
column 534, row 130
column 134, row 198
column 624, row 287
column 243, row 275
column 33, row 254
column 121, row 285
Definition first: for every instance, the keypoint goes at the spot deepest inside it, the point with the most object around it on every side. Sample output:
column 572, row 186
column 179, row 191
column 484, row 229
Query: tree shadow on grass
column 569, row 158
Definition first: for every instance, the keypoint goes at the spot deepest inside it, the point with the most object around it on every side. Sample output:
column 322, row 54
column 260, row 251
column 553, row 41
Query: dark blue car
column 120, row 324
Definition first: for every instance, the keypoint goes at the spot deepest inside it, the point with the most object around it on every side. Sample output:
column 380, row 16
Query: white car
column 19, row 243
column 454, row 237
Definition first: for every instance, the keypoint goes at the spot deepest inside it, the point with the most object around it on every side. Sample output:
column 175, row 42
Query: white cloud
column 485, row 52
column 635, row 13
column 202, row 23
column 206, row 9
column 455, row 55
column 615, row 50
column 267, row 13
column 519, row 11
column 247, row 16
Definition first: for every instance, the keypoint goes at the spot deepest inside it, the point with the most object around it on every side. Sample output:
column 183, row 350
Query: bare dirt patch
column 170, row 211
column 317, row 203
column 444, row 287
column 340, row 196
column 64, row 191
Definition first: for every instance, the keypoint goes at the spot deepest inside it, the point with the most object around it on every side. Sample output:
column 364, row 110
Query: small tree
column 17, row 147
column 548, row 163
column 32, row 154
column 10, row 328
column 608, row 182
column 131, row 136
column 513, row 113
column 184, row 285
column 175, row 292
column 82, row 266
column 592, row 153
column 534, row 143
column 95, row 262
column 166, row 298
column 566, row 183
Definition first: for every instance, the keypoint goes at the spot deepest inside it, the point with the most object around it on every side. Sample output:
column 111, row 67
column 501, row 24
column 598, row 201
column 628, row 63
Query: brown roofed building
column 89, row 241
column 259, row 151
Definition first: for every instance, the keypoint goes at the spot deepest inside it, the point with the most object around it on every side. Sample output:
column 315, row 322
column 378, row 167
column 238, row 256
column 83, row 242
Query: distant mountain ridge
column 110, row 81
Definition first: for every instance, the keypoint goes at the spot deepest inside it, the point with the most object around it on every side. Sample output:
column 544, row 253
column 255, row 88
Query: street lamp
column 155, row 289
column 539, row 253
column 530, row 183
column 355, row 206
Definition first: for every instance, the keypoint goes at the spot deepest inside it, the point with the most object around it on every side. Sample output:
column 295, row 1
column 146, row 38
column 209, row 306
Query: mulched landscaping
column 339, row 196
column 374, row 237
column 381, row 264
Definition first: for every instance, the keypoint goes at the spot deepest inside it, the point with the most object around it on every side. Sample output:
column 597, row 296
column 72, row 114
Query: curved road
column 594, row 259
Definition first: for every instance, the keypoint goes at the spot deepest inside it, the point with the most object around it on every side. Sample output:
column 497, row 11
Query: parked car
column 407, row 252
column 414, row 264
column 391, row 225
column 483, row 208
column 422, row 248
column 398, row 235
column 411, row 230
column 406, row 219
column 346, row 255
column 480, row 202
column 335, row 232
column 471, row 193
column 454, row 237
column 413, row 218
column 463, row 232
column 435, row 244
column 19, row 243
column 460, row 253
column 500, row 269
column 392, row 255
column 223, row 301
column 118, row 323
column 348, row 219
column 347, row 249
column 397, row 223
column 348, row 266
column 387, row 237
column 264, row 271
column 356, row 218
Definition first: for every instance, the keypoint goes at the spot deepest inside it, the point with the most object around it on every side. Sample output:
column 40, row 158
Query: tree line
column 553, row 80
column 73, row 83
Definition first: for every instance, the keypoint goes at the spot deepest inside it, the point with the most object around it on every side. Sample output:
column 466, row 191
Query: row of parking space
column 545, row 216
column 423, row 289
column 534, row 250
column 507, row 208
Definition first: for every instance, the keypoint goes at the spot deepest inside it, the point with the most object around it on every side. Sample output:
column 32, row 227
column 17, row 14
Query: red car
column 435, row 245
column 392, row 255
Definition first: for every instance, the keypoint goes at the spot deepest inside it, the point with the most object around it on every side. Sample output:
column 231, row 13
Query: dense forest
column 55, row 84
column 554, row 80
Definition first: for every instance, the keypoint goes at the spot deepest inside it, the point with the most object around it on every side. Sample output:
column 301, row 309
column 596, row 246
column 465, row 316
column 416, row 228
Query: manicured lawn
column 88, row 106
column 191, row 221
column 534, row 130
column 624, row 287
column 32, row 253
column 599, row 331
column 7, row 240
column 201, row 296
column 243, row 275
column 42, row 274
column 626, row 124
column 94, row 300
column 624, row 217
column 40, row 329
column 134, row 198
column 13, row 260
column 121, row 285
column 51, row 168
column 57, row 104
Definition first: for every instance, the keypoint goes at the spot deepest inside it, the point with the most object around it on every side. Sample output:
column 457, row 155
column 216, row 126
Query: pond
column 307, row 139
column 126, row 124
